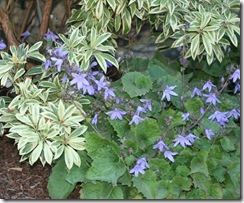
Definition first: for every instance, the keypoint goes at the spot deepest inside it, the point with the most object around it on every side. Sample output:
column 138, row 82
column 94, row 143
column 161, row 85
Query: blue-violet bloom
column 108, row 93
column 50, row 35
column 181, row 140
column 161, row 146
column 94, row 120
column 209, row 133
column 58, row 62
column 236, row 75
column 136, row 119
column 192, row 137
column 142, row 162
column 185, row 116
column 168, row 91
column 220, row 117
column 137, row 169
column 169, row 155
column 237, row 88
column 211, row 98
column 80, row 80
column 2, row 45
column 196, row 91
column 233, row 113
column 116, row 113
column 208, row 85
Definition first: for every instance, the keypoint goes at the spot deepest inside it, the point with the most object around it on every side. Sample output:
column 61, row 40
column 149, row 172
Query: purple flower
column 196, row 91
column 142, row 162
column 47, row 64
column 211, row 98
column 208, row 85
column 147, row 104
column 94, row 63
column 117, row 101
column 179, row 48
column 58, row 63
column 51, row 36
column 138, row 169
column 140, row 110
column 169, row 155
column 209, row 133
column 184, row 61
column 116, row 113
column 25, row 35
column 94, row 120
column 233, row 113
column 235, row 75
column 187, row 25
column 80, row 80
column 181, row 140
column 108, row 63
column 60, row 53
column 168, row 91
column 161, row 146
column 191, row 138
column 89, row 89
column 202, row 110
column 101, row 84
column 136, row 119
column 64, row 79
column 108, row 93
column 185, row 116
column 2, row 45
column 237, row 88
column 220, row 117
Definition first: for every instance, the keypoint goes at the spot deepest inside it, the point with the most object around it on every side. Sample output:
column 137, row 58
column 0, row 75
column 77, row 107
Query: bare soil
column 20, row 180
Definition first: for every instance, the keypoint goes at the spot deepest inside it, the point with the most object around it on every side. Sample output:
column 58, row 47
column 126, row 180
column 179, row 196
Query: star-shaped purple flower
column 80, row 80
column 168, row 91
column 209, row 133
column 116, row 113
column 169, row 155
column 208, row 85
column 236, row 75
column 51, row 36
column 2, row 45
column 192, row 137
column 137, row 169
column 58, row 62
column 182, row 141
column 136, row 119
column 161, row 146
column 211, row 98
column 185, row 116
column 142, row 162
column 196, row 91
column 233, row 113
column 220, row 117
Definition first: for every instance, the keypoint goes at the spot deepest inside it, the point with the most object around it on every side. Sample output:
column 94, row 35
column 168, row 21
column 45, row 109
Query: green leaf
column 180, row 183
column 35, row 70
column 195, row 46
column 77, row 174
column 207, row 43
column 147, row 132
column 215, row 191
column 136, row 84
column 200, row 181
column 198, row 164
column 146, row 184
column 19, row 73
column 121, row 127
column 100, row 190
column 193, row 106
column 107, row 164
column 35, row 47
column 58, row 187
column 37, row 56
column 219, row 173
column 160, row 166
column 196, row 194
column 162, row 190
column 227, row 144
column 182, row 171
column 126, row 21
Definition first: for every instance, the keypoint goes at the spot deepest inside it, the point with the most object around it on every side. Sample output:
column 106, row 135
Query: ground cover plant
column 134, row 128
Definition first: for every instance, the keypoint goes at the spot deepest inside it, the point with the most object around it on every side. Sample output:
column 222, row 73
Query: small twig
column 6, row 25
column 45, row 19
column 26, row 18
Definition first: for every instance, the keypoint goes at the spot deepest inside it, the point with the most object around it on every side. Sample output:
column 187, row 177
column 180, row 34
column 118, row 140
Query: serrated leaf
column 136, row 84
column 198, row 164
column 227, row 144
column 58, row 187
column 193, row 105
column 147, row 132
column 107, row 164
column 146, row 184
column 100, row 190
column 215, row 191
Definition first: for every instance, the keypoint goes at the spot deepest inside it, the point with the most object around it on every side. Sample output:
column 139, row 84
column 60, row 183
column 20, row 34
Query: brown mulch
column 20, row 180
